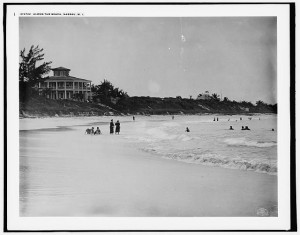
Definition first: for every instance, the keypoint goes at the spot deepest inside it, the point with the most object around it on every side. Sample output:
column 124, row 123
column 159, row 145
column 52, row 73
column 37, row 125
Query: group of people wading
column 111, row 129
column 92, row 131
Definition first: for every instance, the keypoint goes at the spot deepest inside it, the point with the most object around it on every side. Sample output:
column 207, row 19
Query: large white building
column 64, row 86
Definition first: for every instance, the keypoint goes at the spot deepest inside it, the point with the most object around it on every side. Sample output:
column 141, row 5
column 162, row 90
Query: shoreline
column 28, row 116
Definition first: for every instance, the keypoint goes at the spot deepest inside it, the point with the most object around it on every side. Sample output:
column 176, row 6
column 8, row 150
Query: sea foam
column 210, row 159
column 250, row 143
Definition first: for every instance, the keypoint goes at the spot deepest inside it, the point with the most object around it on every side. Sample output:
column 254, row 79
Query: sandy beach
column 66, row 173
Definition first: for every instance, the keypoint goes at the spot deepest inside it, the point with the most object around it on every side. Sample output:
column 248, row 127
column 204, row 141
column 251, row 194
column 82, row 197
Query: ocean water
column 211, row 142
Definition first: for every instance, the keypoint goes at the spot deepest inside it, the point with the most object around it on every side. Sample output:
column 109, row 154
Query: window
column 60, row 85
column 61, row 73
column 69, row 84
column 52, row 84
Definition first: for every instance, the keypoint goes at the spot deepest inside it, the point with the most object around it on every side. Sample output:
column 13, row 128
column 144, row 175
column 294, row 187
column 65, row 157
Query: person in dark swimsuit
column 111, row 125
column 117, row 127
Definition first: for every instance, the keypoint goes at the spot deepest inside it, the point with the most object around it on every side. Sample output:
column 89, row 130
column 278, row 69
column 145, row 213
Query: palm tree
column 29, row 72
column 260, row 103
column 215, row 96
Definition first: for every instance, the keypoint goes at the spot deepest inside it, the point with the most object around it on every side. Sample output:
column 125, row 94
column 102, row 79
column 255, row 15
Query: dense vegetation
column 41, row 106
column 106, row 90
column 152, row 105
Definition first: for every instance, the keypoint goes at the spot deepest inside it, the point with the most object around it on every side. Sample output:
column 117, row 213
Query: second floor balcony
column 72, row 88
column 66, row 86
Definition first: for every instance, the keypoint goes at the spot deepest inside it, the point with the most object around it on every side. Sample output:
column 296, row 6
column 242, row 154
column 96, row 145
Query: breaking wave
column 210, row 159
column 216, row 147
column 250, row 143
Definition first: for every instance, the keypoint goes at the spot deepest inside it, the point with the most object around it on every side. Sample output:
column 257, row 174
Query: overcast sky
column 164, row 57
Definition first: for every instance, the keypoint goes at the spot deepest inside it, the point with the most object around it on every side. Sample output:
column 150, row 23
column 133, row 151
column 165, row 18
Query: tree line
column 259, row 103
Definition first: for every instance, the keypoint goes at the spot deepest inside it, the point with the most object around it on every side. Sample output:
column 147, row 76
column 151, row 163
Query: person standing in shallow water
column 117, row 127
column 111, row 126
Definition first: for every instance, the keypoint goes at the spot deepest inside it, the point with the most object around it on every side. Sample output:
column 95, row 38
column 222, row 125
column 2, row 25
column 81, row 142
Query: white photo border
column 282, row 222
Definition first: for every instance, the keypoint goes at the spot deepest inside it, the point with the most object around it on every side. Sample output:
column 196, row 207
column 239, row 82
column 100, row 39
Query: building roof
column 61, row 68
column 65, row 78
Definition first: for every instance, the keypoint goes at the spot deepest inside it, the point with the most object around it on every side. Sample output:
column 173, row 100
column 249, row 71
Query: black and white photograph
column 158, row 112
